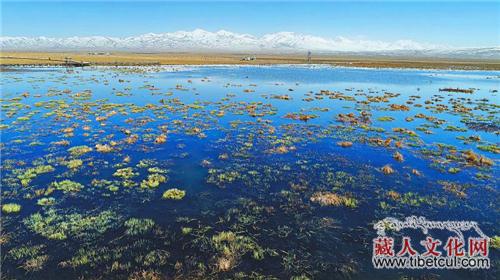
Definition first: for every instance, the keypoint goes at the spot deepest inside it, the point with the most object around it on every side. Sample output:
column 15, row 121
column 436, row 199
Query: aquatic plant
column 221, row 178
column 393, row 195
column 156, row 257
column 174, row 194
column 300, row 117
column 231, row 247
column 398, row 156
column 495, row 242
column 46, row 201
column 157, row 170
column 455, row 188
column 11, row 208
column 125, row 173
column 74, row 163
column 67, row 186
column 397, row 107
column 454, row 170
column 344, row 144
column 146, row 274
column 135, row 226
column 26, row 251
column 55, row 226
column 31, row 256
column 385, row 119
column 416, row 172
column 31, row 173
column 153, row 181
column 387, row 169
column 35, row 264
column 162, row 138
column 103, row 148
column 77, row 151
column 87, row 257
column 490, row 148
column 333, row 199
column 477, row 160
column 457, row 90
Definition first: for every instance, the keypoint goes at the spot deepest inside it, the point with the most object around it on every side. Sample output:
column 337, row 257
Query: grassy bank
column 122, row 58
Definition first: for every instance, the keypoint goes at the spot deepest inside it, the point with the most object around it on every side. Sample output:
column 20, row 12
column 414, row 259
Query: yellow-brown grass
column 128, row 58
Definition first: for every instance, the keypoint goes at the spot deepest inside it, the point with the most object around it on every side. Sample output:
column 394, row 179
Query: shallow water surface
column 250, row 156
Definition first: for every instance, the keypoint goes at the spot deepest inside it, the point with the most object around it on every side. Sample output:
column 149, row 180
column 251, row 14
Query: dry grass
column 122, row 58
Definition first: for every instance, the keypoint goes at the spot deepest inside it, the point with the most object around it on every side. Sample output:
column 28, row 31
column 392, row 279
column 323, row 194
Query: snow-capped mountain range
column 224, row 41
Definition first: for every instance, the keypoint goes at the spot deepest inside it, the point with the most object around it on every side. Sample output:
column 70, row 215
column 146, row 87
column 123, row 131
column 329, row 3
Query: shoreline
column 49, row 59
column 20, row 67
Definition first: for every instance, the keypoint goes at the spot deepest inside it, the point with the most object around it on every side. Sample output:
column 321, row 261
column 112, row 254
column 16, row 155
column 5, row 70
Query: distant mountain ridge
column 200, row 40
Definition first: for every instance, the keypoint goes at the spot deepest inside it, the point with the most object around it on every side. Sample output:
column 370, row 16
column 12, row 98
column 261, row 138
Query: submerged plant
column 231, row 247
column 32, row 257
column 27, row 176
column 137, row 226
column 60, row 227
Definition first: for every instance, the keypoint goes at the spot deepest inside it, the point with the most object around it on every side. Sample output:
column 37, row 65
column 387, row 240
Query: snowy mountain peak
column 227, row 41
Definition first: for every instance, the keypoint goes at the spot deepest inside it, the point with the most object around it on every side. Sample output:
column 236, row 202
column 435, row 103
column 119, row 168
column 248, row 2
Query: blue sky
column 462, row 24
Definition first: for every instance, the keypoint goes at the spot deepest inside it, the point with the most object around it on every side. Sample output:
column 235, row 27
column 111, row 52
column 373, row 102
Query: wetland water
column 238, row 172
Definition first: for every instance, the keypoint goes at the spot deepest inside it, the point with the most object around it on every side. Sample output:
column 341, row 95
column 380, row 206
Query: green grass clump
column 455, row 128
column 125, row 173
column 333, row 199
column 386, row 119
column 489, row 148
column 67, row 186
column 153, row 181
column 75, row 163
column 495, row 242
column 9, row 208
column 157, row 170
column 32, row 257
column 174, row 194
column 87, row 257
column 138, row 226
column 186, row 230
column 350, row 202
column 231, row 247
column 29, row 174
column 60, row 227
column 77, row 151
column 46, row 201
column 25, row 252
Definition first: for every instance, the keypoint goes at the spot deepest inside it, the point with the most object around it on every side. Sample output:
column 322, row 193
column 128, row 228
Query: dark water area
column 218, row 172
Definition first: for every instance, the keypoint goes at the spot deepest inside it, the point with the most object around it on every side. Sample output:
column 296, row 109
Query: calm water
column 253, row 148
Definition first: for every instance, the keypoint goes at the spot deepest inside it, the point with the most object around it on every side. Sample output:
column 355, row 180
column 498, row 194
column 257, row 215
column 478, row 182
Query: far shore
column 144, row 59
